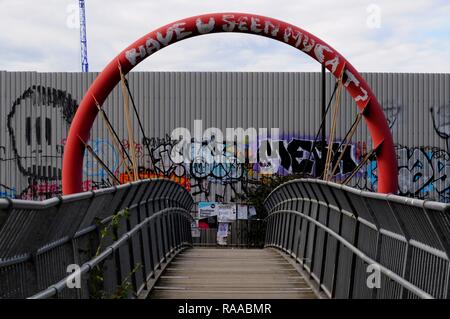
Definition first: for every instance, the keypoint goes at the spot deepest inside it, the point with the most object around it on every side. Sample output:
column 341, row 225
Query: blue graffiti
column 8, row 192
column 106, row 151
column 422, row 173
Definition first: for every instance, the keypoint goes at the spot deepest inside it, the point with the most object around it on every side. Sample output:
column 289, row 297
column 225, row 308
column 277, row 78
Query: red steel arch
column 230, row 22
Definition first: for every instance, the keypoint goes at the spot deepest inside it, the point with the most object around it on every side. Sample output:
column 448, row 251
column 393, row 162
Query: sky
column 375, row 36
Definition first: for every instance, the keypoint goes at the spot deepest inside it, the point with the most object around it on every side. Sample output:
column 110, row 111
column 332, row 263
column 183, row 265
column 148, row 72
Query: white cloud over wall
column 414, row 36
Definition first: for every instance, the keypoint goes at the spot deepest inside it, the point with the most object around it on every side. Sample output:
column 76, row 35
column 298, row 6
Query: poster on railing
column 222, row 241
column 251, row 211
column 207, row 209
column 222, row 233
column 242, row 211
column 195, row 231
column 226, row 213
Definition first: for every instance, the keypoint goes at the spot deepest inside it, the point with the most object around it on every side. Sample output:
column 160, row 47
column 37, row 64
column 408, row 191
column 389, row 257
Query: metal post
column 324, row 126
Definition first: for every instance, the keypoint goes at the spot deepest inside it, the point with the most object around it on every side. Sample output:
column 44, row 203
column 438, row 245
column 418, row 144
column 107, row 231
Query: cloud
column 413, row 35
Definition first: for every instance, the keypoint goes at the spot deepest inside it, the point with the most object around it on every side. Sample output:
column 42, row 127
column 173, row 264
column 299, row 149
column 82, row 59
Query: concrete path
column 222, row 273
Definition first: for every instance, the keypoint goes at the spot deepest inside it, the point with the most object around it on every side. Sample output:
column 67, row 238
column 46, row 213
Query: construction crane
column 83, row 41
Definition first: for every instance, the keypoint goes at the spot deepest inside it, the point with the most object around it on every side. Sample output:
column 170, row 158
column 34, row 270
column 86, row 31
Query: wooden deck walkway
column 206, row 273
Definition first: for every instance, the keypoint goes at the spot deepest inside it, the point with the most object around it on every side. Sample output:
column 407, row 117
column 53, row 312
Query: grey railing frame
column 334, row 230
column 39, row 239
column 57, row 288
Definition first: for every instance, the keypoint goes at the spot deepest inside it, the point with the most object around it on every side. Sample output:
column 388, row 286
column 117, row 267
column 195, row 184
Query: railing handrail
column 398, row 230
column 404, row 283
column 107, row 251
column 39, row 238
column 407, row 200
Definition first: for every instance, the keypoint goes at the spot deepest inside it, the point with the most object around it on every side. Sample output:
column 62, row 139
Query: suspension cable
column 127, row 169
column 111, row 130
column 116, row 140
column 333, row 128
column 104, row 166
column 347, row 139
column 321, row 125
column 357, row 168
column 138, row 118
column 129, row 124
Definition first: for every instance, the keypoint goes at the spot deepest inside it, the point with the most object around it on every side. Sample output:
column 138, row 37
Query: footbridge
column 323, row 240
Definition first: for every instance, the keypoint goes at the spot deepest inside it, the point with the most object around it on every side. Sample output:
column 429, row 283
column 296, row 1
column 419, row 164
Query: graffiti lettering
column 36, row 97
column 229, row 23
column 423, row 173
column 205, row 28
column 6, row 191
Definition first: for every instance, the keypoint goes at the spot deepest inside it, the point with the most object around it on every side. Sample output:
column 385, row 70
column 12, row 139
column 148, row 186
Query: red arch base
column 230, row 22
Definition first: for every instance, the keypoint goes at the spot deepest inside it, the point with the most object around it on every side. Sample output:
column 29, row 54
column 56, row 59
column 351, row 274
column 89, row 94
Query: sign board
column 251, row 211
column 242, row 211
column 207, row 209
column 226, row 213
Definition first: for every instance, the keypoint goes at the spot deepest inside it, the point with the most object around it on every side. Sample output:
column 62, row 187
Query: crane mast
column 83, row 41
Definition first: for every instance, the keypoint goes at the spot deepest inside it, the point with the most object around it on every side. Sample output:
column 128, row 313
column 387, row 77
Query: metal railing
column 344, row 238
column 119, row 238
column 245, row 233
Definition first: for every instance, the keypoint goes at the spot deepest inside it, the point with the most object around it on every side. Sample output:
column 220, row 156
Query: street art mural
column 37, row 106
column 392, row 110
column 35, row 140
column 35, row 122
column 104, row 149
column 441, row 122
column 423, row 173
column 227, row 179
column 301, row 156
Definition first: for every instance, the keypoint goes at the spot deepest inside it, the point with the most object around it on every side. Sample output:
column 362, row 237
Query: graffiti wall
column 423, row 173
column 228, row 179
column 36, row 110
column 31, row 155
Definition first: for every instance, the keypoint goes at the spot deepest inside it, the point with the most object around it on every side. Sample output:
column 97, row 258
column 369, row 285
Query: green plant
column 126, row 286
column 96, row 279
column 258, row 191
column 111, row 228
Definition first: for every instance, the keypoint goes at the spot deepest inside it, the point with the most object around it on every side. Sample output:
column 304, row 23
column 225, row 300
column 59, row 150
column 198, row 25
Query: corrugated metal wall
column 36, row 110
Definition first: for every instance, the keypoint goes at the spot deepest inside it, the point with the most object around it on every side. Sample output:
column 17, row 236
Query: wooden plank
column 218, row 273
